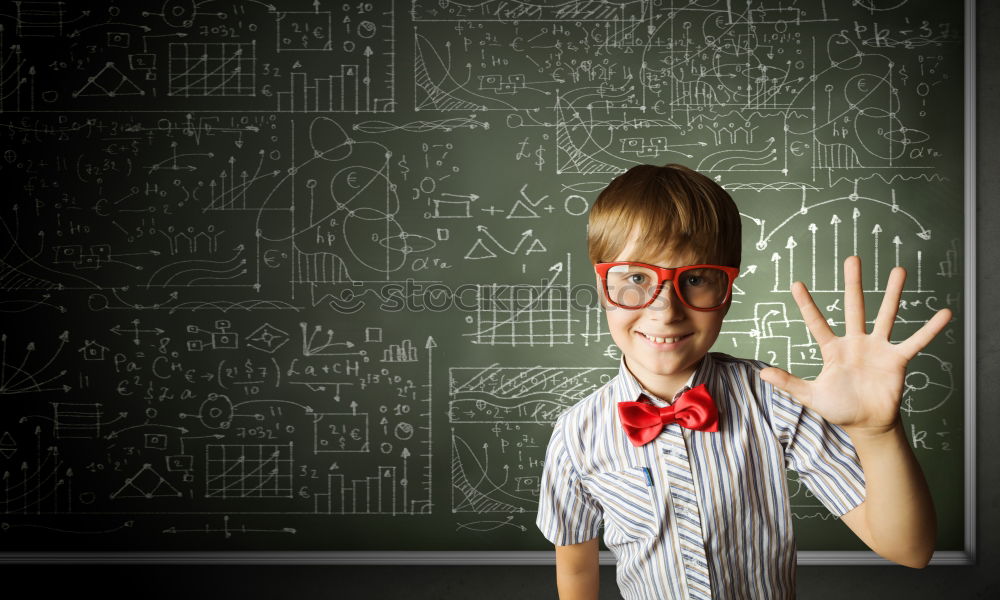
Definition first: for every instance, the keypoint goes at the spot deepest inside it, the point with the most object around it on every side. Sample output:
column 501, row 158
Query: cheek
column 712, row 325
column 618, row 320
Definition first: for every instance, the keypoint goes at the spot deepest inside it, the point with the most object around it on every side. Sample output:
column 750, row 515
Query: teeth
column 660, row 340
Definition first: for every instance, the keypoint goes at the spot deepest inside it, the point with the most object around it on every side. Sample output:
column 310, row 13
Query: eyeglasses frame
column 664, row 274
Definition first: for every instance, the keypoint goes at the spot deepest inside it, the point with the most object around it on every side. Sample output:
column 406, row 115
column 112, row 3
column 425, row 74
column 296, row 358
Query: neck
column 664, row 386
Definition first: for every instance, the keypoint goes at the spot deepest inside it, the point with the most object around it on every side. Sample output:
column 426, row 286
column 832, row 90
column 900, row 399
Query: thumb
column 786, row 382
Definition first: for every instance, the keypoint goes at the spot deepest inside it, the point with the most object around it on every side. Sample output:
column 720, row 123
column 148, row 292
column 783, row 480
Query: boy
column 682, row 455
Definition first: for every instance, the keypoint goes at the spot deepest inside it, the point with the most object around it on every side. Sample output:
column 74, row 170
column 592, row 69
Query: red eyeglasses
column 635, row 285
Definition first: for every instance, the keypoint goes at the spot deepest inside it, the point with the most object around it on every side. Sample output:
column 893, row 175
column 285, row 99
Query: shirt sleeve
column 820, row 452
column 567, row 513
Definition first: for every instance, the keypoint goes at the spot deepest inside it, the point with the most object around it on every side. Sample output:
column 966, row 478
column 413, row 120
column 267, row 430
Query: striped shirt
column 695, row 514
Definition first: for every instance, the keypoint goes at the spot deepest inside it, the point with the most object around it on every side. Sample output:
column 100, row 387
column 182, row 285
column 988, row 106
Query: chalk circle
column 427, row 185
column 96, row 302
column 579, row 207
column 179, row 13
column 216, row 411
column 917, row 380
column 366, row 29
column 50, row 96
column 403, row 431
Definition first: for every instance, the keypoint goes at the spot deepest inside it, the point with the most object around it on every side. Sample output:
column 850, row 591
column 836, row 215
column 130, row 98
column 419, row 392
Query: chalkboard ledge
column 805, row 558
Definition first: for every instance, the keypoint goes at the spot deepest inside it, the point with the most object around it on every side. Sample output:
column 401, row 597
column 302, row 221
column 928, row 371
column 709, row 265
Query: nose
column 667, row 305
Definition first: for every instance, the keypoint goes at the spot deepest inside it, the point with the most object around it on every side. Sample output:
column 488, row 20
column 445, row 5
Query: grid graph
column 239, row 471
column 219, row 69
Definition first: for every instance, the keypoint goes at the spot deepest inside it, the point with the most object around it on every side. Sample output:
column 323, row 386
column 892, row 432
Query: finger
column 813, row 318
column 785, row 381
column 854, row 298
column 890, row 303
column 923, row 336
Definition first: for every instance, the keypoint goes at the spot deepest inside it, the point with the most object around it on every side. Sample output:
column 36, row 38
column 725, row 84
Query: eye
column 695, row 280
column 637, row 278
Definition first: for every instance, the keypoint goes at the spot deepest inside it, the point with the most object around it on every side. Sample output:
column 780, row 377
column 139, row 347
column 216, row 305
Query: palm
column 861, row 384
column 861, row 380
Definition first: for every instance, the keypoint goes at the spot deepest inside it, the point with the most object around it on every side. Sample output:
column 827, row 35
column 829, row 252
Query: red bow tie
column 694, row 409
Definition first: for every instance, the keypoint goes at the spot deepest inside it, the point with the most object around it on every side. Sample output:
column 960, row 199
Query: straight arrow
column 791, row 259
column 875, row 231
column 812, row 229
column 835, row 221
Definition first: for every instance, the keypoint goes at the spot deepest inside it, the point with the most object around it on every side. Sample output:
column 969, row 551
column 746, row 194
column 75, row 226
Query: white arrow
column 775, row 258
column 835, row 221
column 791, row 259
column 875, row 231
column 855, row 215
column 812, row 229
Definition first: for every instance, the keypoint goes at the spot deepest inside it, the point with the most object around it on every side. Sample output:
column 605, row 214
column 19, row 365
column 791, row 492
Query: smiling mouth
column 664, row 340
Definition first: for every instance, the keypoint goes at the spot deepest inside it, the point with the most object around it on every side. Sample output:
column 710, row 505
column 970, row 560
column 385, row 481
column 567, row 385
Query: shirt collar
column 633, row 389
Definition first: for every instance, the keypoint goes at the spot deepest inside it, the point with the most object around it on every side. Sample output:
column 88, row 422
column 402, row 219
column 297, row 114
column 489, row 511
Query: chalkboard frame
column 967, row 556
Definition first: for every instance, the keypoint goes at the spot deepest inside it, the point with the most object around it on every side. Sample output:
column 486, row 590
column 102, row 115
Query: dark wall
column 484, row 583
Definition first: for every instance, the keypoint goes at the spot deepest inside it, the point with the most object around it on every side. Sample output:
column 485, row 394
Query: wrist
column 875, row 433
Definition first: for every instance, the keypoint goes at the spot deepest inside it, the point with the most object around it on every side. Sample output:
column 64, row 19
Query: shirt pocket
column 630, row 505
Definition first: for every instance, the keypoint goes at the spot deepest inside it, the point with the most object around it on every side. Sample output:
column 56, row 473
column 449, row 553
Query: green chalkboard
column 312, row 276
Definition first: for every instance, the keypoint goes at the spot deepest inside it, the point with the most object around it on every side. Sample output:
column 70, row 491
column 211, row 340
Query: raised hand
column 861, row 385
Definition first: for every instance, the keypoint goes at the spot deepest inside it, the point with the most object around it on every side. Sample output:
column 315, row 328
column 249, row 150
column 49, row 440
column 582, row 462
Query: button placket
column 687, row 521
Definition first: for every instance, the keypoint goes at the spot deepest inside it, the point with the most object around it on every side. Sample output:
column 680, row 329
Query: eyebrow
column 658, row 264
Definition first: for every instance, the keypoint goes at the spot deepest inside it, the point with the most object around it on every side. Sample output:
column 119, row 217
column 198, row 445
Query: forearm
column 899, row 512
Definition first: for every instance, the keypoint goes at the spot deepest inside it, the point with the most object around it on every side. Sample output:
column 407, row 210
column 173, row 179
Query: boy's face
column 662, row 368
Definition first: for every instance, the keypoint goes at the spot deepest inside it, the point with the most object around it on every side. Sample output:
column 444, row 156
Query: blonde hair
column 672, row 209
